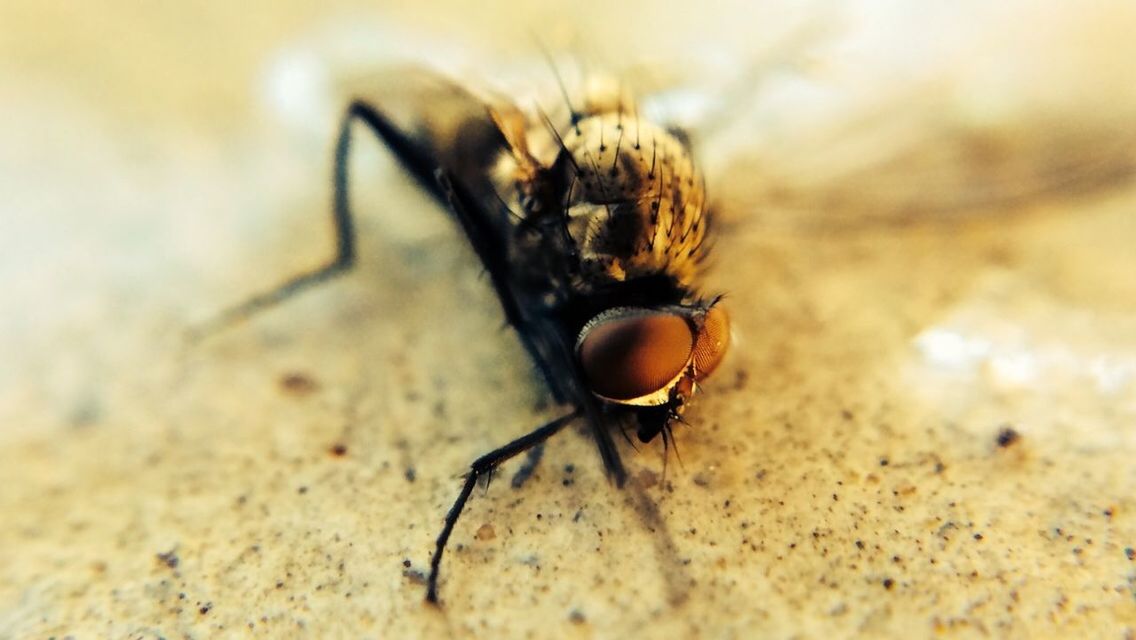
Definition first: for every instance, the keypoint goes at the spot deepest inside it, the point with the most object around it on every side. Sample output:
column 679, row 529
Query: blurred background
column 927, row 224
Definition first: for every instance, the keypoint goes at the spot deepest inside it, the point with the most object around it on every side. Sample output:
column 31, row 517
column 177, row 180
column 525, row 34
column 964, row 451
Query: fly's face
column 651, row 360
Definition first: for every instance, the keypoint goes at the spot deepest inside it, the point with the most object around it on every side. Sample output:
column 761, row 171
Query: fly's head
column 651, row 360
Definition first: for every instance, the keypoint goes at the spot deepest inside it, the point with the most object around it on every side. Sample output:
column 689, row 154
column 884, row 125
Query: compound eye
column 713, row 342
column 634, row 353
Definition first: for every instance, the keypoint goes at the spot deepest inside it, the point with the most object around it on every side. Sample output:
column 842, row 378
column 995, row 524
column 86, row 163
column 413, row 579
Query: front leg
column 484, row 466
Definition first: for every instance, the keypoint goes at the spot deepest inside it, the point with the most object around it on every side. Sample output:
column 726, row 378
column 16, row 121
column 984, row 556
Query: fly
column 593, row 226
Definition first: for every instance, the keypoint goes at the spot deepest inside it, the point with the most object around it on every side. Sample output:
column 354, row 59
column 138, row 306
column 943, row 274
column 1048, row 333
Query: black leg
column 344, row 234
column 553, row 356
column 484, row 466
column 537, row 334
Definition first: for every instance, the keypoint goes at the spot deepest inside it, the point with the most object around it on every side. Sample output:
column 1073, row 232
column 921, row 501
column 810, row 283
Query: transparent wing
column 878, row 118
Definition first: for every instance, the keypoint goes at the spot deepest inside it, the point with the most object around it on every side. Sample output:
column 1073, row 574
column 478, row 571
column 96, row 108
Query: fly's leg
column 552, row 356
column 494, row 257
column 484, row 466
column 344, row 233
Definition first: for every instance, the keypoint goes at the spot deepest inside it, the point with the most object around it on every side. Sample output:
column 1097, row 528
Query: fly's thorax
column 601, row 196
column 635, row 202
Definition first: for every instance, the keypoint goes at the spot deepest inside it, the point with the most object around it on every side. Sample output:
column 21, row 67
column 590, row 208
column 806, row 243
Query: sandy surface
column 924, row 429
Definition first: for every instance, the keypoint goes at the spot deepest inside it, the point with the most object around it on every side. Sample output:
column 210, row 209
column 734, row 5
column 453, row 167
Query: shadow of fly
column 592, row 224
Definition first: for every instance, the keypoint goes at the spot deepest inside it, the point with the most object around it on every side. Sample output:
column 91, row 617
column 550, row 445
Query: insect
column 593, row 226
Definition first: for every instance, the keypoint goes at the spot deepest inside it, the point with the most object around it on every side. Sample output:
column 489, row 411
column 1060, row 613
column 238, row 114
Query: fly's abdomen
column 637, row 203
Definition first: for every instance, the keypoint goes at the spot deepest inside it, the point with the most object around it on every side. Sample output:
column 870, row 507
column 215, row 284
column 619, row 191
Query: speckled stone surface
column 923, row 430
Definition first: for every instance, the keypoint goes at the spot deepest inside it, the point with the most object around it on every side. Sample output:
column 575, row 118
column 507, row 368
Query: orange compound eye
column 634, row 353
column 713, row 342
